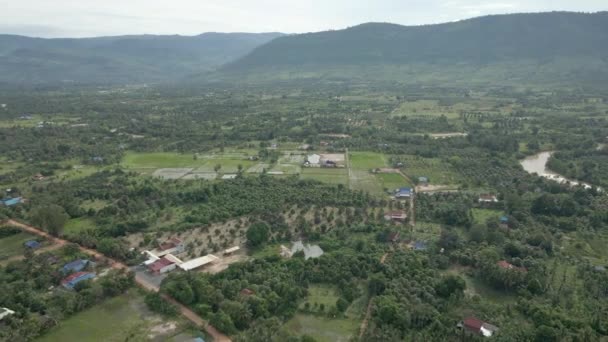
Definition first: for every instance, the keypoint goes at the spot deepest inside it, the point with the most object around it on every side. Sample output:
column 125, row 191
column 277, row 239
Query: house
column 404, row 193
column 253, row 158
column 73, row 279
column 285, row 252
column 420, row 246
column 32, row 244
column 9, row 202
column 229, row 176
column 487, row 198
column 394, row 237
column 398, row 216
column 247, row 292
column 313, row 160
column 329, row 163
column 38, row 177
column 477, row 326
column 324, row 143
column 4, row 312
column 504, row 220
column 198, row 262
column 508, row 266
column 162, row 265
column 75, row 266
column 232, row 250
column 423, row 180
column 171, row 246
column 304, row 147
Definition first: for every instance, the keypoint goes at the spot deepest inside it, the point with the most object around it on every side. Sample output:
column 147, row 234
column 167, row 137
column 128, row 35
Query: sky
column 89, row 18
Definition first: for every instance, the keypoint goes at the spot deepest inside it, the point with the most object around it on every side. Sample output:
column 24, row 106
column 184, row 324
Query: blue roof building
column 32, row 244
column 71, row 281
column 75, row 266
column 504, row 219
column 404, row 193
column 420, row 246
column 12, row 201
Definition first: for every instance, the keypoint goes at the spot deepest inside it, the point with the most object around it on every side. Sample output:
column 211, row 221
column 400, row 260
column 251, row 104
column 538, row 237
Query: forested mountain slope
column 122, row 59
column 559, row 43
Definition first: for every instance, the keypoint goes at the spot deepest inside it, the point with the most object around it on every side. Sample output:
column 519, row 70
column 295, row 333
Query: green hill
column 122, row 59
column 556, row 46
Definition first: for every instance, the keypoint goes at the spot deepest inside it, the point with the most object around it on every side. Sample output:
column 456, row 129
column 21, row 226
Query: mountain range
column 553, row 47
column 121, row 59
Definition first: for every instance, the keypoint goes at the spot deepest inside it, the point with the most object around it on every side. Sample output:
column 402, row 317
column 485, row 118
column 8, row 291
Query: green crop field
column 392, row 181
column 76, row 225
column 334, row 176
column 366, row 160
column 437, row 171
column 482, row 215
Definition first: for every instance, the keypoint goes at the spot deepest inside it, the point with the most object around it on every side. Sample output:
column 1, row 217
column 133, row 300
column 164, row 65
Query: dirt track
column 189, row 314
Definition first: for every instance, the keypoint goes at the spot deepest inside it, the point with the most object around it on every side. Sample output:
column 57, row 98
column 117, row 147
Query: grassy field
column 76, row 225
column 229, row 162
column 321, row 294
column 392, row 181
column 123, row 318
column 366, row 160
column 13, row 245
column 437, row 171
column 334, row 176
column 482, row 215
column 323, row 329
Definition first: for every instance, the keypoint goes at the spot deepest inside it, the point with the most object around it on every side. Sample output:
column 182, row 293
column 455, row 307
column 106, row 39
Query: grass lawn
column 334, row 176
column 13, row 245
column 366, row 160
column 482, row 215
column 392, row 181
column 122, row 318
column 157, row 160
column 76, row 225
column 321, row 294
column 79, row 171
column 324, row 329
column 437, row 171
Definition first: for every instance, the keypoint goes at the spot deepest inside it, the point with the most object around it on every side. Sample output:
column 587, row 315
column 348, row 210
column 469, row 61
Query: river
column 538, row 164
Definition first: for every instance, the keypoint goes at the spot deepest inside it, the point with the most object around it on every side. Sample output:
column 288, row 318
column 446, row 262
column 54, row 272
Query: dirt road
column 185, row 311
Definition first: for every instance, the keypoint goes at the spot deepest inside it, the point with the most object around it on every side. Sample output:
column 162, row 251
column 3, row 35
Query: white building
column 198, row 262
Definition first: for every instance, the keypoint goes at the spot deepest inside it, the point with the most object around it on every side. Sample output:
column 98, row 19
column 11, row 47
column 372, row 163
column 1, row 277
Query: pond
column 310, row 251
column 537, row 164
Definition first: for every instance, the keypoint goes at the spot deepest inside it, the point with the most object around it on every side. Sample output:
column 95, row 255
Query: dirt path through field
column 185, row 311
column 38, row 251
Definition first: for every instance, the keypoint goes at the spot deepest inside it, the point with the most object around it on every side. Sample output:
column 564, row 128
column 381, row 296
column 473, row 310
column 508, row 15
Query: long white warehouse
column 198, row 262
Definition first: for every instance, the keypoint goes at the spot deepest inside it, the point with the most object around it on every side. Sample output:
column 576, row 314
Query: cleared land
column 323, row 329
column 334, row 176
column 123, row 318
column 13, row 245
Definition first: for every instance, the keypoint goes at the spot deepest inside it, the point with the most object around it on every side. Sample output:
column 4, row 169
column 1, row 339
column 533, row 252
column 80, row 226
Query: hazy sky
column 83, row 18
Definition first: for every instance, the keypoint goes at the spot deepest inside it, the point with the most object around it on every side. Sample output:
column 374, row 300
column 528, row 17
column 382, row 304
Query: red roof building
column 477, row 326
column 508, row 266
column 162, row 265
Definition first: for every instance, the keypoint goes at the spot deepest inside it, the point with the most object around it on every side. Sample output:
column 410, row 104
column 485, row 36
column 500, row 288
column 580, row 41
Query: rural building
column 285, row 252
column 38, row 177
column 70, row 281
column 508, row 266
column 232, row 250
column 4, row 312
column 75, row 266
column 247, row 292
column 171, row 246
column 396, row 216
column 304, row 147
column 9, row 202
column 313, row 160
column 402, row 193
column 32, row 244
column 162, row 265
column 229, row 176
column 477, row 326
column 423, row 180
column 420, row 246
column 198, row 262
column 487, row 198
column 394, row 237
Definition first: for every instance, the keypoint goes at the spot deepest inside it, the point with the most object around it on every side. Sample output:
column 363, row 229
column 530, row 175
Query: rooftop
column 198, row 262
column 160, row 264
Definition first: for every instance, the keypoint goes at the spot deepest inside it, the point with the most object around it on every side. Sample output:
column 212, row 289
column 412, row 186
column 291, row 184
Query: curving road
column 185, row 311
